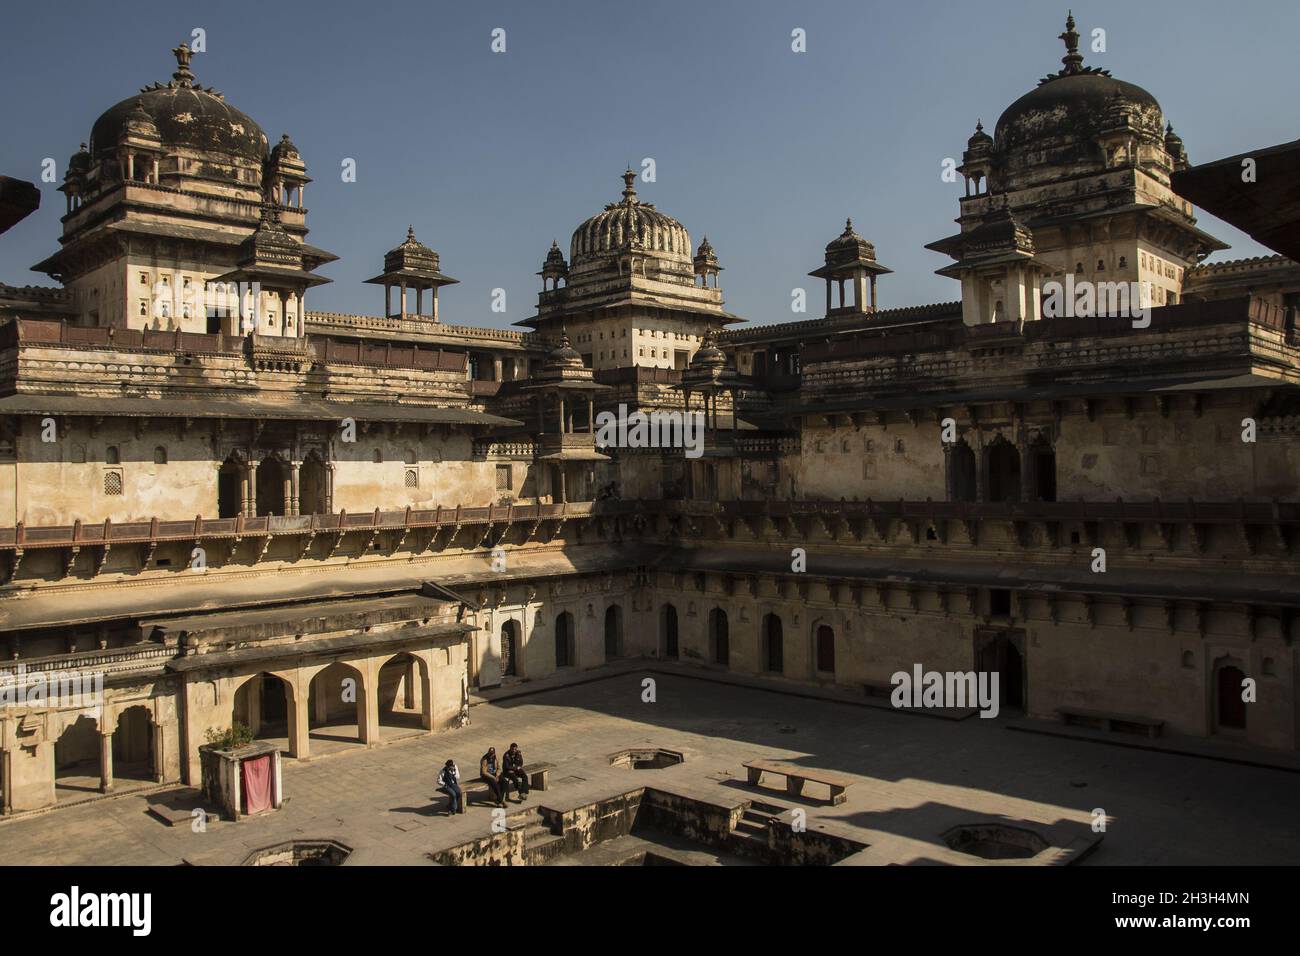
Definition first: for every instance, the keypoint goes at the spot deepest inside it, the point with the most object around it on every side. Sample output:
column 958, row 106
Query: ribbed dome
column 563, row 355
column 1071, row 106
column 186, row 115
column 708, row 355
column 624, row 223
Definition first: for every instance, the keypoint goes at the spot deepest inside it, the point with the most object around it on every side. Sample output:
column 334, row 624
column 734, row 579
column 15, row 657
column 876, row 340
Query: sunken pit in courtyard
column 300, row 853
column 645, row 759
column 650, row 827
column 995, row 841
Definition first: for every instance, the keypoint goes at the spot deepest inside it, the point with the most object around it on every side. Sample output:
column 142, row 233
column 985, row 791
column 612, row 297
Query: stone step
column 543, row 849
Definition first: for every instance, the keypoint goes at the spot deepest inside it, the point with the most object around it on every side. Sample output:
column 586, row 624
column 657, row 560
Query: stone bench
column 539, row 775
column 1108, row 720
column 796, row 777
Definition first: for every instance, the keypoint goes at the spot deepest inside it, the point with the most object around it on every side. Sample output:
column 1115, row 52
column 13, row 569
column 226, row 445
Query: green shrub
column 237, row 736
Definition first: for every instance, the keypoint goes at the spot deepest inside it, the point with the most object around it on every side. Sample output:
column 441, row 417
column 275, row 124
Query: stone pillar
column 6, row 784
column 496, row 368
column 105, row 761
column 159, row 751
column 591, row 416
column 299, row 725
column 292, row 508
column 403, row 297
column 329, row 487
column 368, row 700
column 250, row 501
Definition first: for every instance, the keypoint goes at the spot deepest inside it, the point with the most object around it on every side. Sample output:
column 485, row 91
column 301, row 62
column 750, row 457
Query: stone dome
column 564, row 355
column 708, row 355
column 631, row 223
column 1069, row 108
column 186, row 115
column 848, row 246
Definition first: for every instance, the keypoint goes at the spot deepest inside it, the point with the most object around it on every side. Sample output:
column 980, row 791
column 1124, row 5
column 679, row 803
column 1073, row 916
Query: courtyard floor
column 916, row 778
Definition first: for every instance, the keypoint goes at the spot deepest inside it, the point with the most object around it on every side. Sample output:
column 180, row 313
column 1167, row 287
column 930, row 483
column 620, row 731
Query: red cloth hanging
column 256, row 776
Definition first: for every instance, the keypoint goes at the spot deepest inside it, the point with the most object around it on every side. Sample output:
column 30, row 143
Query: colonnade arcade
column 274, row 483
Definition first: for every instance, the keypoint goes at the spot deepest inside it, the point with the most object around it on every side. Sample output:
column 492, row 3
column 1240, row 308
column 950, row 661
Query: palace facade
column 235, row 509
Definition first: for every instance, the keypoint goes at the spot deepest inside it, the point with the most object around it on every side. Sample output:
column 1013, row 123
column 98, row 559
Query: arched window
column 719, row 637
column 112, row 456
column 160, row 455
column 564, row 639
column 668, row 629
column 825, row 649
column 773, row 645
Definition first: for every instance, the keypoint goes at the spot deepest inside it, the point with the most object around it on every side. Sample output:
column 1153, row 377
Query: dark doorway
column 719, row 637
column 669, row 627
column 1231, row 708
column 509, row 648
column 311, row 486
column 1012, row 683
column 230, row 489
column 271, row 479
column 261, row 704
column 1044, row 464
column 826, row 649
column 613, row 632
column 564, row 639
column 773, row 644
column 963, row 472
column 1003, row 471
column 999, row 652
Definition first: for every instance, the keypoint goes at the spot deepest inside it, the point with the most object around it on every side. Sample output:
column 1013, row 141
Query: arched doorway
column 510, row 649
column 312, row 485
column 825, row 649
column 272, row 477
column 773, row 645
column 963, row 472
column 77, row 757
column 403, row 703
column 335, row 699
column 1229, row 708
column 668, row 630
column 719, row 637
column 133, row 750
column 1001, row 652
column 1003, row 463
column 262, row 705
column 564, row 639
column 230, row 488
column 613, row 632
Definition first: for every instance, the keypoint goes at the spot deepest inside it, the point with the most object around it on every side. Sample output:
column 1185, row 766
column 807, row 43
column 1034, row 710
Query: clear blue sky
column 765, row 151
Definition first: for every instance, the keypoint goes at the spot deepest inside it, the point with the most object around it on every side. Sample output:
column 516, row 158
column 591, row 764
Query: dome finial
column 629, row 191
column 1072, row 59
column 183, row 77
column 410, row 233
